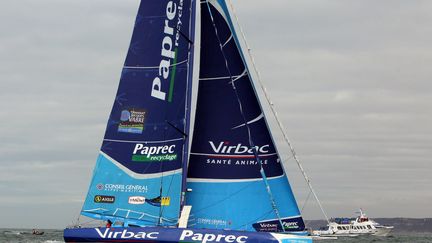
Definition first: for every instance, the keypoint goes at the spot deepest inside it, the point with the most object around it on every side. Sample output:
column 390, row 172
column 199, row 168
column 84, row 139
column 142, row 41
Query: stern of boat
column 383, row 231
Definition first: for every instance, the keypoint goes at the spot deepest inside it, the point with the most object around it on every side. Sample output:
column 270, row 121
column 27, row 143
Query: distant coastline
column 401, row 225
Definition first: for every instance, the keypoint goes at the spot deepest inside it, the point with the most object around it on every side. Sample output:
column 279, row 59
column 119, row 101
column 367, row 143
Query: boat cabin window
column 339, row 228
column 369, row 227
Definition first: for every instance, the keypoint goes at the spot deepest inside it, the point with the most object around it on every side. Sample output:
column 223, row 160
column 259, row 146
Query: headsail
column 138, row 178
column 228, row 190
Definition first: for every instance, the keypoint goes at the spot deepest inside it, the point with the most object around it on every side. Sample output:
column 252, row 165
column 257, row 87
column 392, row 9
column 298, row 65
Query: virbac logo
column 225, row 148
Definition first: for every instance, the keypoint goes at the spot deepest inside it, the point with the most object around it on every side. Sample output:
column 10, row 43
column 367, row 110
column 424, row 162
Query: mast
column 193, row 74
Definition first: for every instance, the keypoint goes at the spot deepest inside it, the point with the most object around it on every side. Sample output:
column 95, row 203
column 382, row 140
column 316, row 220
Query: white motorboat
column 354, row 227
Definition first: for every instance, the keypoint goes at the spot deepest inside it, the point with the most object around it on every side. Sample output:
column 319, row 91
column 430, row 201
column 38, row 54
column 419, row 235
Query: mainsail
column 138, row 178
column 229, row 190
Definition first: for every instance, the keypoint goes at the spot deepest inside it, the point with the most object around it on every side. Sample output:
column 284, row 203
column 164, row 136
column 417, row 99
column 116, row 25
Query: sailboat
column 188, row 155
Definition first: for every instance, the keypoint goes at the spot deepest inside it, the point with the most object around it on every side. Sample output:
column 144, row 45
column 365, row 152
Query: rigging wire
column 274, row 112
column 307, row 199
column 273, row 203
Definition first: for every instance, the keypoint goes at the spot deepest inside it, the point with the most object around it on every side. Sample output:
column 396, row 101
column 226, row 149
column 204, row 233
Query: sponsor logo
column 104, row 199
column 136, row 200
column 169, row 52
column 189, row 235
column 132, row 121
column 125, row 234
column 268, row 227
column 100, row 186
column 159, row 201
column 290, row 225
column 186, row 235
column 122, row 188
column 225, row 148
column 142, row 153
column 274, row 226
column 263, row 225
column 216, row 222
column 238, row 154
column 165, row 201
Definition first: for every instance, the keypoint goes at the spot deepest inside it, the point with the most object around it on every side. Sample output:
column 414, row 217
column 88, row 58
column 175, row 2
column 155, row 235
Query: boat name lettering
column 190, row 235
column 167, row 52
column 224, row 148
column 125, row 234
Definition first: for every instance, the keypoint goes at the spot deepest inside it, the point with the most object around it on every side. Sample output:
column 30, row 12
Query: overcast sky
column 351, row 81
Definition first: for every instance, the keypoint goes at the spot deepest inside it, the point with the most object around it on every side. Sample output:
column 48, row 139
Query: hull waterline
column 169, row 235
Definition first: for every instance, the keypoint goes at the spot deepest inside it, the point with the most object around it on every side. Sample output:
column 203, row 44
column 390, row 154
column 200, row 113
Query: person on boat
column 37, row 232
column 108, row 224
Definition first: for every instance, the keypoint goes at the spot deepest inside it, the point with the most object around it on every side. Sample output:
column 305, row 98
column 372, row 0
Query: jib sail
column 138, row 178
column 228, row 191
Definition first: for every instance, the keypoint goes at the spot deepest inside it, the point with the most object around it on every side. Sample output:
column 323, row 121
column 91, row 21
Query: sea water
column 55, row 236
column 26, row 236
column 402, row 238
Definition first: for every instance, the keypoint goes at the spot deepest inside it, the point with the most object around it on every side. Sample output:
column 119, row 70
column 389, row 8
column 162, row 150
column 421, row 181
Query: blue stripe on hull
column 169, row 235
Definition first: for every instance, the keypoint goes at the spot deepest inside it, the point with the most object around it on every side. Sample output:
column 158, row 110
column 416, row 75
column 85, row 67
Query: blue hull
column 169, row 235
